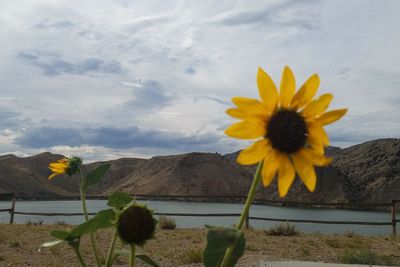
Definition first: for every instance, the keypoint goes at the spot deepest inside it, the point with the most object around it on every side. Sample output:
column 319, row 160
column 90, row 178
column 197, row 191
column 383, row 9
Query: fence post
column 394, row 221
column 14, row 198
column 247, row 220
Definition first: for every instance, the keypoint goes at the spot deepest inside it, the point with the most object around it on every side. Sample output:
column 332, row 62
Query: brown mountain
column 366, row 172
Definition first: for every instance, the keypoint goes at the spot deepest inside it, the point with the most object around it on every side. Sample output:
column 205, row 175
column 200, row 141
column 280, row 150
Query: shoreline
column 383, row 207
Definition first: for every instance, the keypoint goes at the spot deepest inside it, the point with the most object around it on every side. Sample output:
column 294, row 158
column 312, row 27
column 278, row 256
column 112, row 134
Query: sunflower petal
column 305, row 169
column 286, row 175
column 316, row 144
column 52, row 176
column 270, row 166
column 306, row 92
column 316, row 158
column 237, row 113
column 59, row 171
column 58, row 165
column 317, row 134
column 247, row 129
column 250, row 106
column 318, row 106
column 287, row 88
column 254, row 153
column 267, row 89
column 331, row 116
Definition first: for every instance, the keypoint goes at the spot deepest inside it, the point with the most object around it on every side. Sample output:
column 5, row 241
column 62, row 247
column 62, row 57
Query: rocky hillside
column 366, row 172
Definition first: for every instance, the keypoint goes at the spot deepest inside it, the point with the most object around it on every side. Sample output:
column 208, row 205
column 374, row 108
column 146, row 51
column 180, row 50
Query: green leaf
column 218, row 240
column 50, row 244
column 141, row 256
column 96, row 175
column 238, row 251
column 119, row 200
column 102, row 219
column 62, row 235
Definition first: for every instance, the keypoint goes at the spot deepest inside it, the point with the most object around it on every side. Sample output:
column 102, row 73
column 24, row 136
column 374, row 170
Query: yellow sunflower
column 289, row 129
column 65, row 166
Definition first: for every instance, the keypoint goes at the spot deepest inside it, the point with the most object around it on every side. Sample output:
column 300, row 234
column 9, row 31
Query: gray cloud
column 274, row 15
column 109, row 137
column 190, row 70
column 148, row 94
column 53, row 64
column 11, row 119
column 142, row 23
column 60, row 24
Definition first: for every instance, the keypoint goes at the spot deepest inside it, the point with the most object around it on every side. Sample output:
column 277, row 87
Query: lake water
column 196, row 207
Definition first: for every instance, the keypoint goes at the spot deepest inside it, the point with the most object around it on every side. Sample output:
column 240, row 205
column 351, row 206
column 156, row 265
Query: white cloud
column 71, row 67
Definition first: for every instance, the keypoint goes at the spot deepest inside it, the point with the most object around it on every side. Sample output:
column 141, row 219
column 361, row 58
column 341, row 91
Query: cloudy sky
column 110, row 79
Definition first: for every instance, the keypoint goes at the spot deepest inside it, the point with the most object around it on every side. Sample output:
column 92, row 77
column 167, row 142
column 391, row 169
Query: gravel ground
column 19, row 247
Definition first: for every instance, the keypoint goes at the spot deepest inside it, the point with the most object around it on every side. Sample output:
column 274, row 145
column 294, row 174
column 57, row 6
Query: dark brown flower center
column 287, row 131
column 136, row 225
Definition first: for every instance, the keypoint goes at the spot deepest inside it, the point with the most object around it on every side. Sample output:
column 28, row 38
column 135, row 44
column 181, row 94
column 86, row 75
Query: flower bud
column 136, row 225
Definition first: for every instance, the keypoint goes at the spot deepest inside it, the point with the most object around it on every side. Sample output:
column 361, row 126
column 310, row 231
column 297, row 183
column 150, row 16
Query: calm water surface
column 196, row 207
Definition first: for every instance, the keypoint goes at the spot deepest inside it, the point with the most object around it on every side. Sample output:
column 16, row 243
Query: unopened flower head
column 288, row 128
column 136, row 225
column 68, row 166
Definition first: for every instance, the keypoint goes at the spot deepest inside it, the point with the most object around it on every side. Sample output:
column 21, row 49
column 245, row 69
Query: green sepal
column 119, row 200
column 95, row 175
column 218, row 241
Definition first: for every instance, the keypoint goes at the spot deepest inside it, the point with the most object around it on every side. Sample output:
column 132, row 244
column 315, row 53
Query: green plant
column 333, row 243
column 285, row 229
column 193, row 256
column 14, row 244
column 133, row 223
column 350, row 234
column 2, row 258
column 60, row 223
column 365, row 256
column 305, row 251
column 165, row 222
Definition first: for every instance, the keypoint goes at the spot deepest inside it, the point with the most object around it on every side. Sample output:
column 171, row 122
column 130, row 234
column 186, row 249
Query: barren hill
column 362, row 173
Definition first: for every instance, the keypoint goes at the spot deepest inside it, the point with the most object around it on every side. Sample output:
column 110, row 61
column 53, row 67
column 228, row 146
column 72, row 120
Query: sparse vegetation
column 365, row 256
column 350, row 234
column 180, row 242
column 165, row 222
column 333, row 243
column 193, row 256
column 29, row 222
column 2, row 258
column 305, row 252
column 285, row 229
column 14, row 244
column 60, row 223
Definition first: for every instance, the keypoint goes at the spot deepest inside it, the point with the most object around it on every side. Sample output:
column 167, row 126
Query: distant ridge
column 368, row 172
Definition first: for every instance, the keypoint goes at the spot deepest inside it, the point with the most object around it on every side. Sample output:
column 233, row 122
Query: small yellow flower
column 289, row 129
column 65, row 166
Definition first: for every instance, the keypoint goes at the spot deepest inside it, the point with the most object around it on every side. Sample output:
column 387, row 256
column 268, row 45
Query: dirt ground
column 19, row 247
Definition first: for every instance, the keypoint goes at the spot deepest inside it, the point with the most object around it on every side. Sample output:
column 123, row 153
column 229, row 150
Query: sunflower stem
column 246, row 209
column 111, row 249
column 132, row 256
column 86, row 216
column 79, row 256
